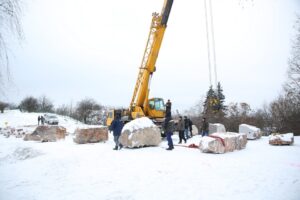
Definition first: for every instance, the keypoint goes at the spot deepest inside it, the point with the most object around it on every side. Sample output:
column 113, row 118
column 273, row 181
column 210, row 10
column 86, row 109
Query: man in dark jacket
column 186, row 127
column 168, row 108
column 204, row 127
column 181, row 130
column 117, row 126
column 169, row 128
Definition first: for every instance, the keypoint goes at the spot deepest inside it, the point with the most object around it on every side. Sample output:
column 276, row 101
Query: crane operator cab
column 156, row 110
column 156, row 104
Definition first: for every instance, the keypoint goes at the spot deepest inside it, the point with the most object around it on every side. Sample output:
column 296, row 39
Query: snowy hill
column 17, row 119
column 67, row 171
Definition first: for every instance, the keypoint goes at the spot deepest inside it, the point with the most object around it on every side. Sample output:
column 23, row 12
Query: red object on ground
column 217, row 137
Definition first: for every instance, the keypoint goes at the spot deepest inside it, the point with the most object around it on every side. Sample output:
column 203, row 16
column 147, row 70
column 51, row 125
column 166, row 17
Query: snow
column 28, row 121
column 64, row 170
column 138, row 123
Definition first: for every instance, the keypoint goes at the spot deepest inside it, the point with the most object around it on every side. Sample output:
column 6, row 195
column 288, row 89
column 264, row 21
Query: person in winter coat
column 39, row 119
column 168, row 109
column 204, row 127
column 42, row 120
column 186, row 127
column 181, row 130
column 168, row 127
column 116, row 127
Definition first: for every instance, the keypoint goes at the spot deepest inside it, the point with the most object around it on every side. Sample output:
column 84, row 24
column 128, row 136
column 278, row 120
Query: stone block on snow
column 216, row 128
column 251, row 131
column 211, row 145
column 140, row 132
column 281, row 139
column 222, row 142
column 91, row 134
column 47, row 134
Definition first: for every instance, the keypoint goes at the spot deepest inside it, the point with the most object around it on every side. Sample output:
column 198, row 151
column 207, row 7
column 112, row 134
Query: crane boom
column 158, row 26
column 141, row 105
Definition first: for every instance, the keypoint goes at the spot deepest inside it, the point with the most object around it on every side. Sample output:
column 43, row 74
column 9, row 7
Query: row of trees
column 281, row 115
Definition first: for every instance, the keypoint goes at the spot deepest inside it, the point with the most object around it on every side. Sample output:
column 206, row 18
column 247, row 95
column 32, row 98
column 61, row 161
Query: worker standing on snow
column 186, row 127
column 39, row 119
column 169, row 128
column 204, row 127
column 181, row 130
column 117, row 126
column 42, row 120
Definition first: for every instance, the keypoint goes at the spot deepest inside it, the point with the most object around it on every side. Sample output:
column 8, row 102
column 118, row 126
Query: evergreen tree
column 221, row 97
column 208, row 106
column 213, row 107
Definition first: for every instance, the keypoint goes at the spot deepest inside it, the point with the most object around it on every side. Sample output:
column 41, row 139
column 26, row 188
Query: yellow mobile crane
column 141, row 105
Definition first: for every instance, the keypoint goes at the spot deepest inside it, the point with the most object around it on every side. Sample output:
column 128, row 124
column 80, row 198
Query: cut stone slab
column 216, row 128
column 46, row 134
column 141, row 132
column 222, row 142
column 211, row 145
column 90, row 135
column 252, row 132
column 281, row 139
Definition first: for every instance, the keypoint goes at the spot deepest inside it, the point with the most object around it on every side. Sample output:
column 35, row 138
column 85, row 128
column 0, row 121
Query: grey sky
column 92, row 48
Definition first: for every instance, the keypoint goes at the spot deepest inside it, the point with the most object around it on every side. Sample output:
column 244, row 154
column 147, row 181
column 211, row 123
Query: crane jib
column 166, row 12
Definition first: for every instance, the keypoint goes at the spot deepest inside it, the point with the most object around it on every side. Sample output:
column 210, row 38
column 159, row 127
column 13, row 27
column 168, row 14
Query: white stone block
column 216, row 128
column 252, row 132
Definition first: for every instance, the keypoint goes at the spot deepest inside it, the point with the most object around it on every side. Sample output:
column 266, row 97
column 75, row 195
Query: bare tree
column 285, row 112
column 10, row 11
column 3, row 105
column 85, row 109
column 293, row 83
column 29, row 104
column 63, row 110
column 238, row 113
column 45, row 104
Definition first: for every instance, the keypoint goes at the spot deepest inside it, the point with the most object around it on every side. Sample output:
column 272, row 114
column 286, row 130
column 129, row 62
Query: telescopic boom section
column 157, row 29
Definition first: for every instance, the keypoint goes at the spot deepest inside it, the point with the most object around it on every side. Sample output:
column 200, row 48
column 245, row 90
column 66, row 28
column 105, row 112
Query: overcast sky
column 75, row 49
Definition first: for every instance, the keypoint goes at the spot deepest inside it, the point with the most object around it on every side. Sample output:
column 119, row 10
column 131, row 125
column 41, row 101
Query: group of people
column 184, row 127
column 41, row 120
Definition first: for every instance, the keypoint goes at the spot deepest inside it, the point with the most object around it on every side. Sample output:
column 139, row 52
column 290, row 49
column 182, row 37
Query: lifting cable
column 210, row 48
column 213, row 42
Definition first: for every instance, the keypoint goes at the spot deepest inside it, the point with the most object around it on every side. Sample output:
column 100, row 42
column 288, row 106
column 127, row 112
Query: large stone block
column 47, row 134
column 90, row 135
column 281, row 139
column 140, row 132
column 222, row 142
column 252, row 132
column 216, row 128
column 211, row 145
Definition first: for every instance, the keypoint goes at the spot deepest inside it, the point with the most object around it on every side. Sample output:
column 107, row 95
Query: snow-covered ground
column 29, row 121
column 67, row 171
